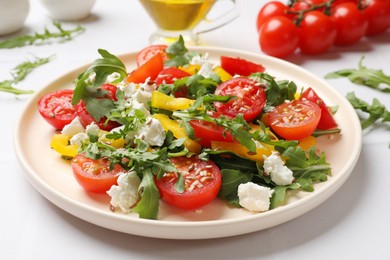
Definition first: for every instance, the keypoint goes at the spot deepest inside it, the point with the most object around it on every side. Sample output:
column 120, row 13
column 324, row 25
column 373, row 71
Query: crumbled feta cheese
column 125, row 194
column 142, row 97
column 200, row 60
column 147, row 86
column 73, row 127
column 79, row 139
column 280, row 174
column 206, row 70
column 254, row 197
column 140, row 106
column 128, row 89
column 152, row 132
column 92, row 129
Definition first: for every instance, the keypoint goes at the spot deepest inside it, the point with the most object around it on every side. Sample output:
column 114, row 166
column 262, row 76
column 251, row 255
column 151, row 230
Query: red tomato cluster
column 313, row 26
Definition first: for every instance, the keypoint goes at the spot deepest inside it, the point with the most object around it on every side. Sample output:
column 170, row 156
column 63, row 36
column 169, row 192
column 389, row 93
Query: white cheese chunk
column 73, row 127
column 125, row 194
column 254, row 197
column 280, row 174
column 79, row 139
column 152, row 132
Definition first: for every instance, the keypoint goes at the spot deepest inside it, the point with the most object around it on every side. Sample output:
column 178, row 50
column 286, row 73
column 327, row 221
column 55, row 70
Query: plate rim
column 69, row 205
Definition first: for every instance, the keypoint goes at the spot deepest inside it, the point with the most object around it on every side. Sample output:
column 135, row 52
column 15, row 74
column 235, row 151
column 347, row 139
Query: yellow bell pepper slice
column 178, row 132
column 60, row 143
column 191, row 69
column 160, row 100
column 223, row 74
column 307, row 142
column 242, row 151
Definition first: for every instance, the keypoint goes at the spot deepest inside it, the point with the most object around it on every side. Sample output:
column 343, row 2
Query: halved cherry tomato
column 95, row 175
column 86, row 119
column 250, row 98
column 205, row 132
column 150, row 69
column 327, row 120
column 169, row 76
column 202, row 181
column 57, row 109
column 295, row 120
column 147, row 53
column 238, row 66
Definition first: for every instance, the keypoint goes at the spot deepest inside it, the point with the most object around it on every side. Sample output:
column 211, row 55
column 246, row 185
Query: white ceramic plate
column 53, row 177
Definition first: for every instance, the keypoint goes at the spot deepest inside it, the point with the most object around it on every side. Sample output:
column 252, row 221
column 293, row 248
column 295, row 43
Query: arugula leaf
column 178, row 54
column 280, row 192
column 363, row 76
column 39, row 38
column 376, row 110
column 88, row 91
column 231, row 179
column 148, row 205
column 19, row 73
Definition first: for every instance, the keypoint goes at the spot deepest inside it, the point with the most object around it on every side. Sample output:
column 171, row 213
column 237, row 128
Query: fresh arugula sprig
column 178, row 54
column 364, row 76
column 40, row 38
column 19, row 73
column 376, row 111
column 88, row 90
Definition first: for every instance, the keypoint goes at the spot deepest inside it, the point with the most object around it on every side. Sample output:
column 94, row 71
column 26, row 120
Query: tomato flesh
column 249, row 98
column 147, row 53
column 169, row 76
column 206, row 132
column 95, row 175
column 238, row 66
column 327, row 120
column 57, row 109
column 202, row 181
column 150, row 69
column 295, row 120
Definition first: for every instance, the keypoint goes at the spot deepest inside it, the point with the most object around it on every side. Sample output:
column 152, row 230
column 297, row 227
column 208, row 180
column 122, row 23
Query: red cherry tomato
column 205, row 132
column 278, row 36
column 378, row 16
column 169, row 76
column 238, row 66
column 57, row 109
column 317, row 33
column 327, row 120
column 86, row 119
column 202, row 181
column 295, row 120
column 351, row 23
column 147, row 53
column 150, row 69
column 250, row 98
column 95, row 175
column 270, row 9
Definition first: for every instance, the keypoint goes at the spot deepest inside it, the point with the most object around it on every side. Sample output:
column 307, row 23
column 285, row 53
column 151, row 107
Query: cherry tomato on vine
column 249, row 98
column 317, row 33
column 351, row 23
column 278, row 36
column 57, row 109
column 270, row 9
column 95, row 175
column 202, row 181
column 378, row 16
column 295, row 120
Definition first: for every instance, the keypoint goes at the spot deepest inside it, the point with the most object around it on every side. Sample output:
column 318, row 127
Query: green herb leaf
column 148, row 206
column 19, row 73
column 178, row 54
column 364, row 76
column 279, row 195
column 231, row 179
column 40, row 38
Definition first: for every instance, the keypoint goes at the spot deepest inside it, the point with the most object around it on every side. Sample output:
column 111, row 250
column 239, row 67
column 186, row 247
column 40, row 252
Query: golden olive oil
column 177, row 15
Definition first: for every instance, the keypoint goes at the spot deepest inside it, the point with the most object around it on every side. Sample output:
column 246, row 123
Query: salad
column 181, row 129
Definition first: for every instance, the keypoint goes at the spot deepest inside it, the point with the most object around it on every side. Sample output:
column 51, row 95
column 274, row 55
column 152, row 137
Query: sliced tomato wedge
column 150, row 69
column 249, row 98
column 57, row 109
column 238, row 66
column 86, row 119
column 202, row 181
column 295, row 120
column 327, row 120
column 95, row 175
column 169, row 76
column 147, row 53
column 206, row 132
